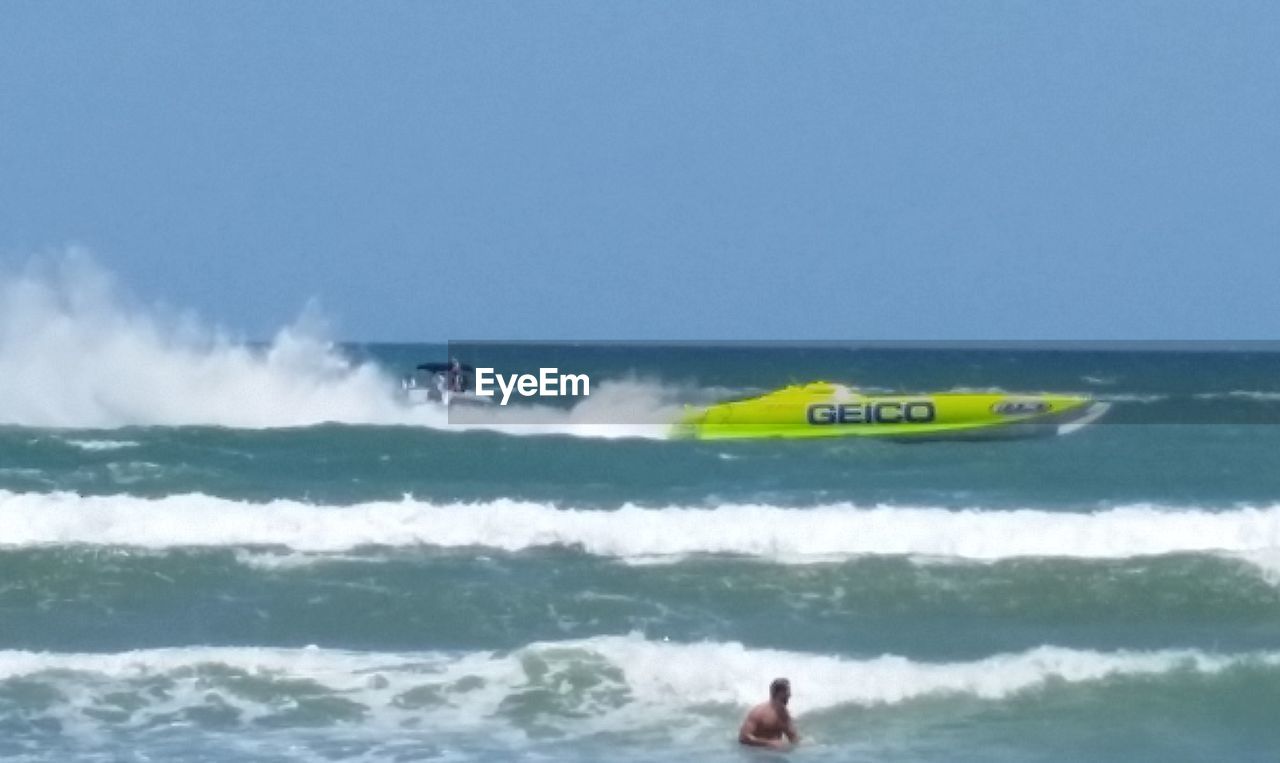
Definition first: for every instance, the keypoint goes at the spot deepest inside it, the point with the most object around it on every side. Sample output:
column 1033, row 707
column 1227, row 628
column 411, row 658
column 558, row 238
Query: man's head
column 780, row 690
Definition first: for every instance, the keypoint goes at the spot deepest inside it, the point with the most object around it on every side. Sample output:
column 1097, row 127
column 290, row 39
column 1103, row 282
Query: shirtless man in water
column 769, row 722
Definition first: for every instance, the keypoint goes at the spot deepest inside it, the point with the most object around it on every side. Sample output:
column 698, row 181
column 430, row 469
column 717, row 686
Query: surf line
column 548, row 382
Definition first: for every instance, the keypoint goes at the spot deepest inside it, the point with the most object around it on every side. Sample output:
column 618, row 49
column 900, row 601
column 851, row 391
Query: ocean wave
column 598, row 684
column 634, row 532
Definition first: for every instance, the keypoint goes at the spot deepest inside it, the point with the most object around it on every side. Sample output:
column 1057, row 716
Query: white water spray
column 77, row 352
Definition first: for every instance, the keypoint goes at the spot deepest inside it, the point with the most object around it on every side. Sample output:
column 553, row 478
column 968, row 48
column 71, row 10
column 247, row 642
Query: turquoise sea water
column 222, row 552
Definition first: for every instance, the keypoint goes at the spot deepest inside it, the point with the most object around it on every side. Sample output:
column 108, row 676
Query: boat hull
column 823, row 410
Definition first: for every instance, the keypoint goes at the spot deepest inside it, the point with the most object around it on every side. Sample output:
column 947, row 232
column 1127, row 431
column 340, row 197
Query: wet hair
column 778, row 686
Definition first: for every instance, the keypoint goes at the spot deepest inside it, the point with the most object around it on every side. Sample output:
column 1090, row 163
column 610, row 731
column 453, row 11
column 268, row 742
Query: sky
column 426, row 171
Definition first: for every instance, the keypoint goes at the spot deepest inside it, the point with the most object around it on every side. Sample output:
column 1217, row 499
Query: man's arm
column 790, row 731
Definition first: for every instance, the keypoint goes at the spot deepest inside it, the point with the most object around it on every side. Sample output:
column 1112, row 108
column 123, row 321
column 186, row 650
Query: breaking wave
column 603, row 682
column 640, row 533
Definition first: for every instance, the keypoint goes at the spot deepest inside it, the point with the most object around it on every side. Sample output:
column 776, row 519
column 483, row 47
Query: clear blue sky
column 754, row 170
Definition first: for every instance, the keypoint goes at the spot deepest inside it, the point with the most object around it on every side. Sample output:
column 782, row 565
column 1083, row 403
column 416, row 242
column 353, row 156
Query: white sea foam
column 98, row 445
column 1259, row 396
column 785, row 534
column 295, row 560
column 75, row 352
column 606, row 682
column 1267, row 561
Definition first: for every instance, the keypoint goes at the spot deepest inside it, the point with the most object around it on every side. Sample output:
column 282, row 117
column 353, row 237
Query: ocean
column 215, row 550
